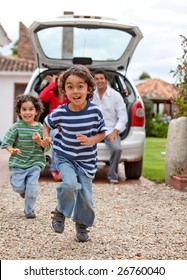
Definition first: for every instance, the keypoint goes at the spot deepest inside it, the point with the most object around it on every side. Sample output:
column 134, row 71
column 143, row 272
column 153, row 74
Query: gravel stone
column 147, row 221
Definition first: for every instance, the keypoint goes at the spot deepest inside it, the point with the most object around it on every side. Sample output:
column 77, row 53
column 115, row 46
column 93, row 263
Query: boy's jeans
column 26, row 181
column 53, row 165
column 74, row 194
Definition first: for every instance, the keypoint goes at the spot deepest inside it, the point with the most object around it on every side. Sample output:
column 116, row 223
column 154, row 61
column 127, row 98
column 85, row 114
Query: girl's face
column 76, row 90
column 28, row 112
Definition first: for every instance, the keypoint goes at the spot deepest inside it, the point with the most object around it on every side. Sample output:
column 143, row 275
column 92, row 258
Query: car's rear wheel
column 133, row 170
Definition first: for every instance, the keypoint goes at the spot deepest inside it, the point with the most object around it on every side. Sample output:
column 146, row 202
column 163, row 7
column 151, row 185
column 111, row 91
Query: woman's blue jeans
column 25, row 181
column 74, row 194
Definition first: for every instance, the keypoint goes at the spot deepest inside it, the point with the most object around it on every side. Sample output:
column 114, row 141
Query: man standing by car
column 114, row 112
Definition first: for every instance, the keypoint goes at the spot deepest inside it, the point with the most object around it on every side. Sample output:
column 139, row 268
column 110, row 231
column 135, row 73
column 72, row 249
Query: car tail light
column 137, row 114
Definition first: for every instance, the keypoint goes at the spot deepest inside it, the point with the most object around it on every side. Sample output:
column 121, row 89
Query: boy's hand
column 42, row 142
column 46, row 141
column 84, row 140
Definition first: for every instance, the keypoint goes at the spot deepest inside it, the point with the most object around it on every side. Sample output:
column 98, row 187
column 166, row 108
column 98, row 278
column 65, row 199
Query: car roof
column 93, row 41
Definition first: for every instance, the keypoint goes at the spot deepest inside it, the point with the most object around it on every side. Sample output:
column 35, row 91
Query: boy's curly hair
column 25, row 98
column 82, row 72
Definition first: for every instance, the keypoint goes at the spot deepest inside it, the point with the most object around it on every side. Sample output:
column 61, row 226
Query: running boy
column 23, row 141
column 81, row 127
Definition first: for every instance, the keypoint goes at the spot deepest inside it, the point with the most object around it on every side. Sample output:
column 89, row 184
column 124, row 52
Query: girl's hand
column 36, row 138
column 51, row 79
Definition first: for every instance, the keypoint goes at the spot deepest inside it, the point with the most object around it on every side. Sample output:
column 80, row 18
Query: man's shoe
column 81, row 233
column 58, row 220
column 22, row 195
column 31, row 215
column 56, row 176
column 114, row 181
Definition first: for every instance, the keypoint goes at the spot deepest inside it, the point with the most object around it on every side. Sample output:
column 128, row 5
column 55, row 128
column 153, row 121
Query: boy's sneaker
column 58, row 220
column 31, row 215
column 81, row 233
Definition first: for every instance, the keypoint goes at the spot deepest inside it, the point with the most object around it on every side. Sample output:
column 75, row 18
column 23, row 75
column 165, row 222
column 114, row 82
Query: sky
column 161, row 22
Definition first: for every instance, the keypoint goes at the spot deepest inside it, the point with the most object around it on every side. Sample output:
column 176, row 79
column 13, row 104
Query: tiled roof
column 16, row 64
column 156, row 89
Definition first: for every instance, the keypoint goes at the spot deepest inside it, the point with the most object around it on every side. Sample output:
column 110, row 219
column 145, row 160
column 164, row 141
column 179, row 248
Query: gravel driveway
column 146, row 221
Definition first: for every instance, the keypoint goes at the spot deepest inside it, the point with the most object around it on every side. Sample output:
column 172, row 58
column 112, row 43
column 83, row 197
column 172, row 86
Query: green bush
column 158, row 126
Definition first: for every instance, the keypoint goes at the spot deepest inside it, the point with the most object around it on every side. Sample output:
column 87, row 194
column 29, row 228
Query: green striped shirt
column 20, row 136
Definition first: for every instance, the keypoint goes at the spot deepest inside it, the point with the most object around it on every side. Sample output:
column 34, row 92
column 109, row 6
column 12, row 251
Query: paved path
column 101, row 175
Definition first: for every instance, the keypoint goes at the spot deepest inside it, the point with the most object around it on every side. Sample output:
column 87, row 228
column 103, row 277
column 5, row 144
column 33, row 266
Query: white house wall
column 7, row 82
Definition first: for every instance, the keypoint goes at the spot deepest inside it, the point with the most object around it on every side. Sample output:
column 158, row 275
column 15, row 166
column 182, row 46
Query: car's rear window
column 100, row 44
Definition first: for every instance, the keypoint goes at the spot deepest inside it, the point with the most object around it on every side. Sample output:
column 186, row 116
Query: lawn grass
column 154, row 159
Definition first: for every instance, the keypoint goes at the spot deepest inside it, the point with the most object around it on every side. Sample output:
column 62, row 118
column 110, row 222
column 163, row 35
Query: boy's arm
column 47, row 139
column 46, row 131
column 42, row 142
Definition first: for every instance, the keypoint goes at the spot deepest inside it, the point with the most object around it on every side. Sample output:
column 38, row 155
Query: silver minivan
column 96, row 42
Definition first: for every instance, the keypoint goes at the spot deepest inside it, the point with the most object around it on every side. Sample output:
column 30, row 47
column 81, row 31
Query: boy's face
column 28, row 112
column 76, row 90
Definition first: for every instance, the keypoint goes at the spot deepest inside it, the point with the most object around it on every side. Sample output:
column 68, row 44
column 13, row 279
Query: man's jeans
column 74, row 194
column 26, row 181
column 115, row 155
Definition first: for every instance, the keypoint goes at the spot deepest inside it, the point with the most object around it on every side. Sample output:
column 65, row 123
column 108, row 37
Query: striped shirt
column 89, row 122
column 20, row 136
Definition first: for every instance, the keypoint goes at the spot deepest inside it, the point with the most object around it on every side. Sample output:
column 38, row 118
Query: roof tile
column 16, row 64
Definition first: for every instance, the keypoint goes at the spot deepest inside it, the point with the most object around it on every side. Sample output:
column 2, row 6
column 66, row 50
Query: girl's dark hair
column 56, row 90
column 82, row 72
column 25, row 98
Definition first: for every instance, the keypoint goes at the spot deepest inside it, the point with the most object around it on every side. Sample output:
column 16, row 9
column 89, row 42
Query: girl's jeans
column 26, row 181
column 115, row 155
column 74, row 194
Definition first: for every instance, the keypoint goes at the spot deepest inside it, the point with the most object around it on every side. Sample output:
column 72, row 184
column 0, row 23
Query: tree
column 144, row 76
column 14, row 49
